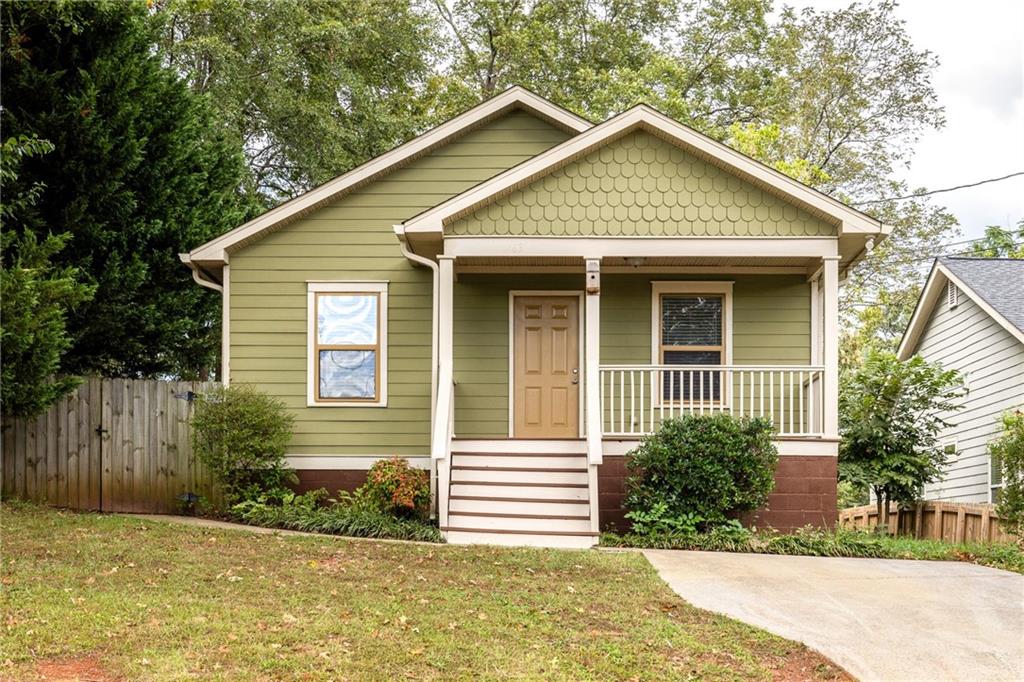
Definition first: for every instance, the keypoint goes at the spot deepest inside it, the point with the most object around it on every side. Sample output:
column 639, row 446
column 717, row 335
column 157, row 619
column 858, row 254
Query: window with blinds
column 692, row 333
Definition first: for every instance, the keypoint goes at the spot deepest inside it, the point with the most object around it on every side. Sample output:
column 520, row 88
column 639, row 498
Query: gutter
column 197, row 274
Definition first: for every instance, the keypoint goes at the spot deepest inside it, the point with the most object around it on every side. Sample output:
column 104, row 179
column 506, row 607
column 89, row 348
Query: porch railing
column 635, row 399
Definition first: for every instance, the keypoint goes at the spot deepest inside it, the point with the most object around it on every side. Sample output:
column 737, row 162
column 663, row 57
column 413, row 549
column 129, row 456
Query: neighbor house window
column 347, row 343
column 691, row 326
column 995, row 480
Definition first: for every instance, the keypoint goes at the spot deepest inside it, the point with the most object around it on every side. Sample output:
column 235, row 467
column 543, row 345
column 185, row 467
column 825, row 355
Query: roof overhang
column 858, row 230
column 214, row 253
column 930, row 295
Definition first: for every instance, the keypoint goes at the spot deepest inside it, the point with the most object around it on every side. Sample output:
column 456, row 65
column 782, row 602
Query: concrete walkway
column 879, row 619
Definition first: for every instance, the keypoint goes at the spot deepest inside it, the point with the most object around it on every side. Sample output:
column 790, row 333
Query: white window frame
column 712, row 288
column 956, row 450
column 992, row 485
column 380, row 288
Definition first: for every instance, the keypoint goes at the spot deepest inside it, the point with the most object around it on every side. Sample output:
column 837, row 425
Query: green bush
column 695, row 471
column 241, row 434
column 397, row 488
column 1007, row 453
column 352, row 515
column 827, row 543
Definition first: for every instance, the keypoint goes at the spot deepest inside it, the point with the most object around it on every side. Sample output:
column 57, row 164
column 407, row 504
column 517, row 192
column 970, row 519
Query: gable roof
column 215, row 252
column 643, row 117
column 995, row 284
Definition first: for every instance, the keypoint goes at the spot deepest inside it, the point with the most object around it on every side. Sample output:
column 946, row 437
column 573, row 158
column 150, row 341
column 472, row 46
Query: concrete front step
column 477, row 505
column 457, row 536
column 513, row 522
column 525, row 491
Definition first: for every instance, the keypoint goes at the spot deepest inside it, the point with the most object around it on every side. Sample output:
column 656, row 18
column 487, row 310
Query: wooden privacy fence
column 111, row 445
column 953, row 522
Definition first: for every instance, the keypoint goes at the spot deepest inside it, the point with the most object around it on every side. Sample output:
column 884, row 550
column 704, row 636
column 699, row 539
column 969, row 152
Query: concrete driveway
column 879, row 619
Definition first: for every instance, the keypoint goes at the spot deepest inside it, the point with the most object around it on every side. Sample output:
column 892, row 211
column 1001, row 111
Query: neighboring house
column 970, row 318
column 514, row 298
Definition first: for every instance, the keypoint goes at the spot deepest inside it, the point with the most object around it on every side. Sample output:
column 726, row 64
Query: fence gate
column 111, row 445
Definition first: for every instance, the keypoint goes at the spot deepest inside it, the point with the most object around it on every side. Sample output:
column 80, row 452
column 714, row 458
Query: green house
column 514, row 298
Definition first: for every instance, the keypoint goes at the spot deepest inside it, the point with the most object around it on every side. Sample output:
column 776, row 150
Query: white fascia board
column 648, row 247
column 516, row 97
column 922, row 311
column 642, row 116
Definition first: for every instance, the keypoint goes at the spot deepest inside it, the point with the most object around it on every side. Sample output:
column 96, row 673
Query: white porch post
column 441, row 432
column 592, row 355
column 830, row 338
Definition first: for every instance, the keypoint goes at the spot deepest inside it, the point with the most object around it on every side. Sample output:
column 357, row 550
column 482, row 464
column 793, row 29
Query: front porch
column 534, row 455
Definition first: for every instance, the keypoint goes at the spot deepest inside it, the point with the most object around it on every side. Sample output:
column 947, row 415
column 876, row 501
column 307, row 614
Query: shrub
column 241, row 434
column 696, row 470
column 398, row 489
column 1007, row 453
column 352, row 515
column 827, row 543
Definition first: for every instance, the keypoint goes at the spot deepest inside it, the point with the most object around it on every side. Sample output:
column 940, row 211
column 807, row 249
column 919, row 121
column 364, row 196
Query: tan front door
column 546, row 371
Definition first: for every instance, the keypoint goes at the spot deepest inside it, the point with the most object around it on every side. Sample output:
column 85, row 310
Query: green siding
column 771, row 325
column 353, row 239
column 640, row 185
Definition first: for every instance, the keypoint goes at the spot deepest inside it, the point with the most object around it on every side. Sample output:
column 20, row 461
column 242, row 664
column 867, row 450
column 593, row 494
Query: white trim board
column 933, row 292
column 511, row 351
column 642, row 117
column 350, row 462
column 216, row 250
column 646, row 247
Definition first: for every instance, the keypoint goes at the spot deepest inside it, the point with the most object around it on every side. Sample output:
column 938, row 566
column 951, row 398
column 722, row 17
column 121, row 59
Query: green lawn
column 121, row 597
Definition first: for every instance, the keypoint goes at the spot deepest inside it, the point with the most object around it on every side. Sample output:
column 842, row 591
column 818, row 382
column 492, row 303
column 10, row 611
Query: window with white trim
column 949, row 452
column 692, row 324
column 347, row 344
column 995, row 480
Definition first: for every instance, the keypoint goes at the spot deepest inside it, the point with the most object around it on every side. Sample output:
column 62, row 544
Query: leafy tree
column 311, row 87
column 36, row 295
column 139, row 172
column 1007, row 454
column 890, row 416
column 1000, row 243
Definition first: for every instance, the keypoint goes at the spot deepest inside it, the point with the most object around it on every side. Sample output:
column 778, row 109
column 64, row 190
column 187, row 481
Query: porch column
column 441, row 431
column 830, row 345
column 592, row 355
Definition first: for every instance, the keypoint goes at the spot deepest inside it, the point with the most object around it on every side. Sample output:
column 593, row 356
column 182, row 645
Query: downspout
column 432, row 264
column 197, row 275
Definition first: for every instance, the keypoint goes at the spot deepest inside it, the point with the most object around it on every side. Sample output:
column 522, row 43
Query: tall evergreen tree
column 139, row 172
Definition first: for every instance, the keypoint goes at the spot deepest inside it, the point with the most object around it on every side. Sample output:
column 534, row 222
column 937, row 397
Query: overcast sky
column 980, row 81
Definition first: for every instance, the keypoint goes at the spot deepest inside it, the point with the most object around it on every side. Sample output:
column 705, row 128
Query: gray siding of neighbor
column 992, row 360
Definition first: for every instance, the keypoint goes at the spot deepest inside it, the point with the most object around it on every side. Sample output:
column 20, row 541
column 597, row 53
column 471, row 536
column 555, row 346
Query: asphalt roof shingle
column 998, row 281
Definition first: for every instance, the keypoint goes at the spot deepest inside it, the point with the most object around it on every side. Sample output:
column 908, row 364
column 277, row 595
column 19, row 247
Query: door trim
column 578, row 294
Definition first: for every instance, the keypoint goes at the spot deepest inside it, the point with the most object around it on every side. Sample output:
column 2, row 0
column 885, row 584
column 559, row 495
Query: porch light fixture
column 635, row 261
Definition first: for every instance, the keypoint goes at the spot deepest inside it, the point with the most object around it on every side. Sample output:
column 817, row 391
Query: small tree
column 37, row 295
column 241, row 434
column 891, row 413
column 702, row 468
column 1007, row 453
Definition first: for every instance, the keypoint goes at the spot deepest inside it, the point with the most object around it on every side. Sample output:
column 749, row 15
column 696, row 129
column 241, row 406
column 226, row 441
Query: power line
column 938, row 191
